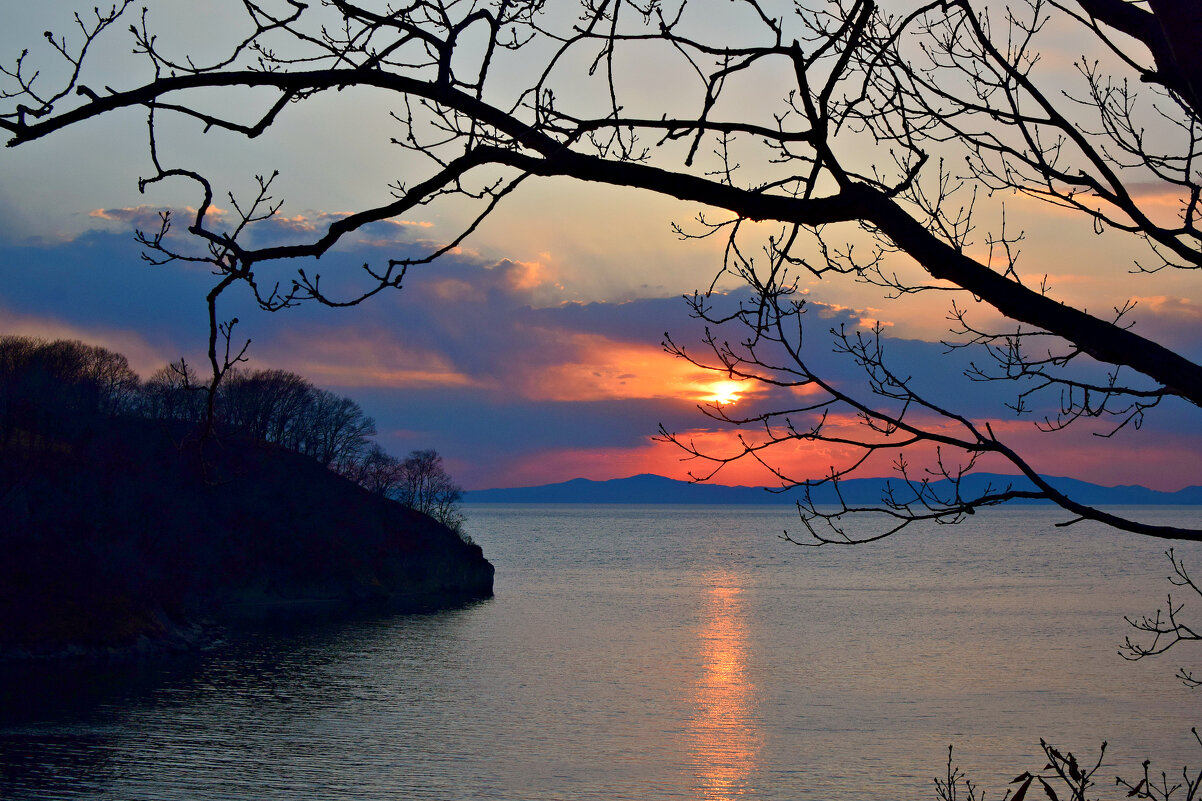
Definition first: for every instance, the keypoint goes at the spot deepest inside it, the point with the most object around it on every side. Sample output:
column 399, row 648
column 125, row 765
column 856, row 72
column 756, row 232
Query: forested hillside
column 122, row 527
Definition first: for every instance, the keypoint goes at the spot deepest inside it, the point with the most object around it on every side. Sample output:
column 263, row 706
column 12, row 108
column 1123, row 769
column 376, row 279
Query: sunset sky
column 533, row 354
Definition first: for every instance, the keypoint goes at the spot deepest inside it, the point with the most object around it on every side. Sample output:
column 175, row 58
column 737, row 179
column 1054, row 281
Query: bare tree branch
column 901, row 125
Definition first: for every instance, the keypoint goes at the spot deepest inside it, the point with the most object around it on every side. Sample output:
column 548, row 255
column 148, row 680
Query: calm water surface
column 651, row 653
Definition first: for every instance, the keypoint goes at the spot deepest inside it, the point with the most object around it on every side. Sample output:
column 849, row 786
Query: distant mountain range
column 657, row 489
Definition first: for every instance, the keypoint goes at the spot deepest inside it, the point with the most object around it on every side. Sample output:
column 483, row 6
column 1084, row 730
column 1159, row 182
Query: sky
column 532, row 354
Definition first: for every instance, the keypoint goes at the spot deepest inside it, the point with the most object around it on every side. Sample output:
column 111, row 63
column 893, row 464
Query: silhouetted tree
column 175, row 392
column 331, row 429
column 264, row 404
column 425, row 485
column 284, row 408
column 420, row 481
column 268, row 405
column 59, row 389
column 862, row 113
column 15, row 354
column 377, row 471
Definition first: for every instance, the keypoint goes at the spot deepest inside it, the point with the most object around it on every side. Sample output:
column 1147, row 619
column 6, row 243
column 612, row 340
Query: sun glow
column 724, row 392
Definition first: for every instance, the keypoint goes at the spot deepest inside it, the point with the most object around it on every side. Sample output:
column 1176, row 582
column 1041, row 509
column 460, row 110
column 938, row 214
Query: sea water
column 642, row 652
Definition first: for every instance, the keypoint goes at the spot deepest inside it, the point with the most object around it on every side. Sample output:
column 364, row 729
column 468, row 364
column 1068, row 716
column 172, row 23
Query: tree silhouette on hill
column 60, row 391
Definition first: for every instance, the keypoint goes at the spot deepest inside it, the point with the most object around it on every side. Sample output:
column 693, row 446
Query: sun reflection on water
column 724, row 733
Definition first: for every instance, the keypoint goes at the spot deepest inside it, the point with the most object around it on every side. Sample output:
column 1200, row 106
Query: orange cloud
column 144, row 214
column 144, row 357
column 365, row 376
column 297, row 221
column 110, row 214
column 1162, row 203
column 1054, row 280
column 316, row 220
column 1158, row 194
column 307, row 223
column 135, row 215
column 452, row 289
column 604, row 369
column 524, row 276
column 1181, row 309
column 362, row 358
column 214, row 211
column 410, row 223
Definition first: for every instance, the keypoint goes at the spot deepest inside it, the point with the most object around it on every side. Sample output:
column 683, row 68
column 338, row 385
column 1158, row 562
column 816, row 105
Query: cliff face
column 127, row 539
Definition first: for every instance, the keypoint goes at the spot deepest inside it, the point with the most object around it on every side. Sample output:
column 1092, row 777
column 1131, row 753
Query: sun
column 724, row 392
